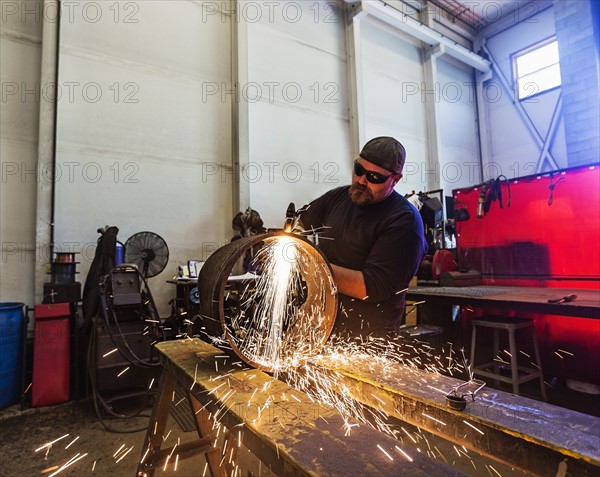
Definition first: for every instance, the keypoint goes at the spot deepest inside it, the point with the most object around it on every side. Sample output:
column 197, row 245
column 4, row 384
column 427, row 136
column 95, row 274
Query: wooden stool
column 509, row 324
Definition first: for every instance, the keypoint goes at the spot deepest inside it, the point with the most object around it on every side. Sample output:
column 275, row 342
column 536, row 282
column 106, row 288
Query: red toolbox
column 51, row 354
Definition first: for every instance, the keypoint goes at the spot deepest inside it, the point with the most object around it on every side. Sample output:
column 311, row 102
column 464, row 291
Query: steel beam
column 536, row 437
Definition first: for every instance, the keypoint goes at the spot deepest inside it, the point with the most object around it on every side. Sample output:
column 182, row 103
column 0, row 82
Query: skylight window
column 537, row 69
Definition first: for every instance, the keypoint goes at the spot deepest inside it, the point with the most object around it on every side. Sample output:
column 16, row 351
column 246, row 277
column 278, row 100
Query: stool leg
column 538, row 362
column 473, row 339
column 514, row 368
column 496, row 355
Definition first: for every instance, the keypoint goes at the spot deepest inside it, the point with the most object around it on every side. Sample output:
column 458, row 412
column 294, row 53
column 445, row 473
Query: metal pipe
column 44, row 234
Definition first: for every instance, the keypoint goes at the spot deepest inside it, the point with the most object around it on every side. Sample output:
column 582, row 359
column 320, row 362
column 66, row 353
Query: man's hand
column 349, row 282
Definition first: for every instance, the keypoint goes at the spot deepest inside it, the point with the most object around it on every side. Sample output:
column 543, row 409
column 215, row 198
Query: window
column 537, row 69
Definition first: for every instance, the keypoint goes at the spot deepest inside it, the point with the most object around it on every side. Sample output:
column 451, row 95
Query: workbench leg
column 230, row 452
column 204, row 427
column 158, row 423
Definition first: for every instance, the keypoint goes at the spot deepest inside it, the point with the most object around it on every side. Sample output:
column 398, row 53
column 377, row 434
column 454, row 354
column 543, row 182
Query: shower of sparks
column 280, row 322
column 275, row 322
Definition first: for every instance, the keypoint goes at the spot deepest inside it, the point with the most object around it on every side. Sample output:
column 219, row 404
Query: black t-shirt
column 384, row 240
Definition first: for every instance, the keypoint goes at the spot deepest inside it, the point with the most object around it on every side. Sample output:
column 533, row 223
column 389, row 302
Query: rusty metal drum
column 277, row 316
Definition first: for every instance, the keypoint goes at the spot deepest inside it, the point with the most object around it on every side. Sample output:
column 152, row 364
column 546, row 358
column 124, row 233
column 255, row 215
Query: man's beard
column 360, row 194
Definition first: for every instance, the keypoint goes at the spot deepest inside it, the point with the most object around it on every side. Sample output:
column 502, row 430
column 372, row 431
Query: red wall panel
column 548, row 237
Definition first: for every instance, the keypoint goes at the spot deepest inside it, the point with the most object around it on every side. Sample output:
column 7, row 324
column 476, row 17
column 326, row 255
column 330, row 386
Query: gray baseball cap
column 385, row 152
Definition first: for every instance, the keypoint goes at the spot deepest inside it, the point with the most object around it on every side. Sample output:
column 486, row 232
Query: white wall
column 459, row 164
column 20, row 51
column 396, row 99
column 137, row 139
column 299, row 143
column 392, row 78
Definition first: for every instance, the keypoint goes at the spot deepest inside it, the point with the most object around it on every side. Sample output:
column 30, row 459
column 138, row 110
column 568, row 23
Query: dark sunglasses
column 372, row 177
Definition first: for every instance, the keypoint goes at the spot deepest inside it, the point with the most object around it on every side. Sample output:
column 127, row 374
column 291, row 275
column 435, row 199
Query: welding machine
column 125, row 285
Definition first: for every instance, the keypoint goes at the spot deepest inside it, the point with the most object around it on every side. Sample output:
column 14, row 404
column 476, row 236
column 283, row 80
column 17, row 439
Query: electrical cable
column 136, row 360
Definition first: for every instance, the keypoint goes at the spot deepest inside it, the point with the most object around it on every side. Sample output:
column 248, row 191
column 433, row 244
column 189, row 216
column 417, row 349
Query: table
column 523, row 299
column 284, row 427
column 182, row 295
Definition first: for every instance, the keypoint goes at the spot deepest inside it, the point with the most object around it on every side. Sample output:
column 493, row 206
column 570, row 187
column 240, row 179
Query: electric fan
column 148, row 251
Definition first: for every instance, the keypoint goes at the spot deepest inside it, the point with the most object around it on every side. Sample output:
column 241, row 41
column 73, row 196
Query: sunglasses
column 372, row 177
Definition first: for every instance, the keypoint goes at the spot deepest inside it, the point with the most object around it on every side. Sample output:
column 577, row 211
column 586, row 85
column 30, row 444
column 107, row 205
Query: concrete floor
column 107, row 454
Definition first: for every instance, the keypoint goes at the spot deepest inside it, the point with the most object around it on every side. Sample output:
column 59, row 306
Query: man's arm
column 349, row 282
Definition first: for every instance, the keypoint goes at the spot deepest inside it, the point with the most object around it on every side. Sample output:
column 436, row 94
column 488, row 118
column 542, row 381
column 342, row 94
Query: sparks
column 434, row 419
column 471, row 425
column 50, row 443
column 384, row 451
column 124, row 454
column 110, row 352
column 404, row 453
column 71, row 443
column 70, row 462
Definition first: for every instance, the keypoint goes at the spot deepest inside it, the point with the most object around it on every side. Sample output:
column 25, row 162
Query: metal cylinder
column 241, row 311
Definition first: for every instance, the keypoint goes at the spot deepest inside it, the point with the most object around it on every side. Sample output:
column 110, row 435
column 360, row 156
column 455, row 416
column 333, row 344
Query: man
column 373, row 238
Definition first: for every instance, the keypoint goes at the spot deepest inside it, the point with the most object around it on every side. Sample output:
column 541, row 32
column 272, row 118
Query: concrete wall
column 299, row 140
column 136, row 135
column 20, row 52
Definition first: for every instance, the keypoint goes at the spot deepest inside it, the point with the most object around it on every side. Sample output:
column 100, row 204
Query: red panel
column 52, row 310
column 51, row 355
column 559, row 236
column 547, row 238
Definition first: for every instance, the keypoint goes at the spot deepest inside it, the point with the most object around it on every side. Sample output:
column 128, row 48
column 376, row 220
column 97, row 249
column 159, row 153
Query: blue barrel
column 11, row 322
